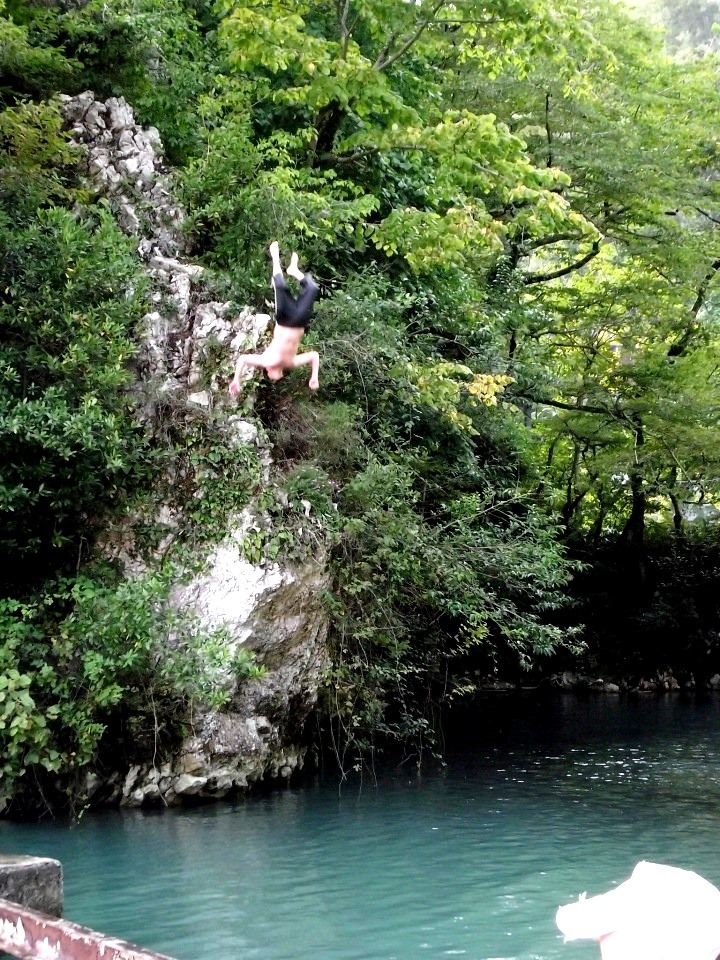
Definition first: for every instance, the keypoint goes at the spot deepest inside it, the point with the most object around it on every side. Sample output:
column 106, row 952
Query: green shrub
column 420, row 603
column 70, row 296
column 37, row 165
column 159, row 54
column 99, row 671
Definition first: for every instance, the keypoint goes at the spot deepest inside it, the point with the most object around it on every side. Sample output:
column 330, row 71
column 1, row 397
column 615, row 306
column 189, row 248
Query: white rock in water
column 189, row 785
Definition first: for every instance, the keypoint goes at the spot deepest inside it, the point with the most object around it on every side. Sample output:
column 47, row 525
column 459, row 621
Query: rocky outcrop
column 35, row 882
column 273, row 609
column 124, row 163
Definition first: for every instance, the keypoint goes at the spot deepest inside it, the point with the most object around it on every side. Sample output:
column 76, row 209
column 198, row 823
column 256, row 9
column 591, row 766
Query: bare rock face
column 276, row 612
column 125, row 166
column 272, row 609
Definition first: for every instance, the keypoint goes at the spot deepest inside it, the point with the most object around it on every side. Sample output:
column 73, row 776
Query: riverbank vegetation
column 512, row 208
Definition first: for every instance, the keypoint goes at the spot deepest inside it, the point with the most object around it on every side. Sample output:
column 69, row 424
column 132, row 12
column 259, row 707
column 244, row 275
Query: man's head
column 275, row 373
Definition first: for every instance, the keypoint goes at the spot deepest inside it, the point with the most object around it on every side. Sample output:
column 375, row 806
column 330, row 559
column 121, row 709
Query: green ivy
column 90, row 659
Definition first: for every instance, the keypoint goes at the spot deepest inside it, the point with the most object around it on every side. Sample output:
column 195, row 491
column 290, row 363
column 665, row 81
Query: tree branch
column 563, row 271
column 384, row 61
column 680, row 346
column 703, row 288
column 343, row 8
column 548, row 131
column 709, row 216
column 357, row 155
column 482, row 23
column 573, row 407
column 547, row 240
column 345, row 30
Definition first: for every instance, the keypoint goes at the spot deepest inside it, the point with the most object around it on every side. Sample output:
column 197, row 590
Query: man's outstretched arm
column 244, row 361
column 313, row 358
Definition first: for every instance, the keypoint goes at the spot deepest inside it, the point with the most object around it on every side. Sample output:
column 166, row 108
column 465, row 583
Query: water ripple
column 470, row 861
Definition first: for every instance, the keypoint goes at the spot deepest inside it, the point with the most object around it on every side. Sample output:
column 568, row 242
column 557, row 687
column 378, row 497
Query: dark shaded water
column 547, row 798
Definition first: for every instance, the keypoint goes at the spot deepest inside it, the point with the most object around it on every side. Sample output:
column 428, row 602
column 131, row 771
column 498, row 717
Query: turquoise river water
column 545, row 798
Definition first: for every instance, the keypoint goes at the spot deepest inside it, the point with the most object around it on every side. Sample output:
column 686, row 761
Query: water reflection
column 542, row 801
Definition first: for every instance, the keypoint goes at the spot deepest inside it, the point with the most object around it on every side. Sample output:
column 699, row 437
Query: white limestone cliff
column 273, row 609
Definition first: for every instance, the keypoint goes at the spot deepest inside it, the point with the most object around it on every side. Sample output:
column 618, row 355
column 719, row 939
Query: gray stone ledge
column 35, row 882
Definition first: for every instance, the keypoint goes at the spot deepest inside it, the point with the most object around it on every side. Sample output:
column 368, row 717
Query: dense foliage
column 511, row 209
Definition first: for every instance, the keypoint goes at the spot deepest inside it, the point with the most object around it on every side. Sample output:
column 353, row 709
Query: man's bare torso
column 284, row 345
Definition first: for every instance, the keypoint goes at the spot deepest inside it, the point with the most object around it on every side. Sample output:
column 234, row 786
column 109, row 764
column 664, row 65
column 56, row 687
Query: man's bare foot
column 294, row 270
column 274, row 251
column 314, row 383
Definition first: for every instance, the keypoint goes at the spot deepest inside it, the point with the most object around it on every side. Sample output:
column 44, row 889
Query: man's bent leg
column 274, row 250
column 286, row 309
column 294, row 268
column 309, row 292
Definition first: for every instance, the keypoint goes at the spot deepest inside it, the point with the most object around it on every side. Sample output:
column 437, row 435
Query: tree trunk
column 327, row 124
column 633, row 535
column 677, row 515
